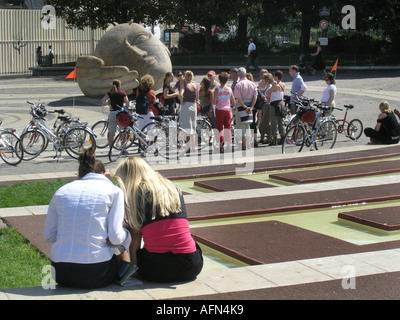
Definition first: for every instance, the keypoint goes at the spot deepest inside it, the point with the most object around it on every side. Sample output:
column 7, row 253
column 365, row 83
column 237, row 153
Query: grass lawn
column 21, row 263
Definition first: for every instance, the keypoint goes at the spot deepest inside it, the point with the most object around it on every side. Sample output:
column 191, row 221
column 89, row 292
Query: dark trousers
column 86, row 276
column 379, row 137
column 169, row 267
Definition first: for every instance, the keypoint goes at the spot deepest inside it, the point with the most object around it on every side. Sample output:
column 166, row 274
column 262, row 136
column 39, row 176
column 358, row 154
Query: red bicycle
column 354, row 128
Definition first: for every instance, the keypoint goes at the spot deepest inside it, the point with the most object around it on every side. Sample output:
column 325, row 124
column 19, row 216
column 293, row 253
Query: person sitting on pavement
column 387, row 129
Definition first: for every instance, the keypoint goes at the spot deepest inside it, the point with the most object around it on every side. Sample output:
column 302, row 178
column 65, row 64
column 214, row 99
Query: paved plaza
column 337, row 255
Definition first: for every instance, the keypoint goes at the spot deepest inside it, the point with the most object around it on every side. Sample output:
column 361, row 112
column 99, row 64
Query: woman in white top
column 329, row 94
column 275, row 97
column 189, row 95
column 84, row 221
column 265, row 124
column 223, row 100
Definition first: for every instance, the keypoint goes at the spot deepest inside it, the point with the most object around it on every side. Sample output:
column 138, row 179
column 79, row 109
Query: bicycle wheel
column 326, row 135
column 205, row 133
column 77, row 139
column 33, row 143
column 294, row 140
column 169, row 142
column 120, row 145
column 355, row 129
column 100, row 130
column 11, row 150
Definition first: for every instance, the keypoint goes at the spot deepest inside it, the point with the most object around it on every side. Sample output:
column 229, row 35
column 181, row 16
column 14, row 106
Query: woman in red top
column 155, row 210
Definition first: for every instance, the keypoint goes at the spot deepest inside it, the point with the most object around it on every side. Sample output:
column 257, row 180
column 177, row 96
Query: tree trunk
column 242, row 31
column 305, row 33
column 208, row 39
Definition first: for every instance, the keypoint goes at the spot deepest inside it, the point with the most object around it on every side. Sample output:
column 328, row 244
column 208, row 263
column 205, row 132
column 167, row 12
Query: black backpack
column 142, row 102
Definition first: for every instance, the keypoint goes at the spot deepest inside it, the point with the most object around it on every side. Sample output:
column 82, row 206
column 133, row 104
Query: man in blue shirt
column 298, row 86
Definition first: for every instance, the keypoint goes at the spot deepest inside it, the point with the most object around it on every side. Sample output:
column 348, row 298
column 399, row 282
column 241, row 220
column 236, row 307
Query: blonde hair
column 145, row 189
column 189, row 75
column 147, row 81
column 384, row 106
column 268, row 77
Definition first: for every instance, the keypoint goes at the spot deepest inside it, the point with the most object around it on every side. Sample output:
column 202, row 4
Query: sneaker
column 125, row 271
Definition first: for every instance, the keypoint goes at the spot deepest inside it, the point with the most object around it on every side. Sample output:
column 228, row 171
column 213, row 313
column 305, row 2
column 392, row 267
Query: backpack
column 142, row 102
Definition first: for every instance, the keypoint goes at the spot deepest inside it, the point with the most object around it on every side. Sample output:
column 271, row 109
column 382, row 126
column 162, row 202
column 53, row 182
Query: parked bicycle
column 61, row 124
column 100, row 128
column 160, row 137
column 11, row 150
column 313, row 130
column 355, row 127
column 72, row 139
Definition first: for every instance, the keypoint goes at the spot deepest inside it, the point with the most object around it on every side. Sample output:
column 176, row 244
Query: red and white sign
column 323, row 24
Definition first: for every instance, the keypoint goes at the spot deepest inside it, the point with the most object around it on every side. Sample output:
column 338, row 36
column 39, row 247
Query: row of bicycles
column 314, row 126
column 68, row 134
column 161, row 137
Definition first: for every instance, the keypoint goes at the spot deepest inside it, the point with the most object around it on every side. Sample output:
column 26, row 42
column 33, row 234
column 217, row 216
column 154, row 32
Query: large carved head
column 135, row 47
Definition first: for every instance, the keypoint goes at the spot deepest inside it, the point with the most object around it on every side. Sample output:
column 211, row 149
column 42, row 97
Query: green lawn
column 21, row 263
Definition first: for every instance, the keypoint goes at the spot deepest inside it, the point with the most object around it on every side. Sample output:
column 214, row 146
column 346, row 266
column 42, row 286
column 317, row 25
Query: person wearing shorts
column 116, row 98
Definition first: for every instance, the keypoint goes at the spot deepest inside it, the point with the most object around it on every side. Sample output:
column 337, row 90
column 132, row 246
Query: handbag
column 245, row 117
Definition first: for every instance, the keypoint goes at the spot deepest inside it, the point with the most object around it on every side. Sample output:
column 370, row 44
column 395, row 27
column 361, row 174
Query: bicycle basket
column 124, row 119
column 308, row 116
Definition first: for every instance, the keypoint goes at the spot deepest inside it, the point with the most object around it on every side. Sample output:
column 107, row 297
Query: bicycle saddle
column 66, row 118
column 158, row 118
column 349, row 106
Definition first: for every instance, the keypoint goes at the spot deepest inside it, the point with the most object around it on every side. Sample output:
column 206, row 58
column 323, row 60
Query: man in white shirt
column 246, row 97
column 251, row 56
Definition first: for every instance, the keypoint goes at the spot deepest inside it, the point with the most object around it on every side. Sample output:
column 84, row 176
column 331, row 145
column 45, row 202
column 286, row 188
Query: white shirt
column 326, row 94
column 81, row 216
column 252, row 47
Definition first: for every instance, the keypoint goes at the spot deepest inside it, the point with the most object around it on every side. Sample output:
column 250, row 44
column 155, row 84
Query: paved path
column 363, row 89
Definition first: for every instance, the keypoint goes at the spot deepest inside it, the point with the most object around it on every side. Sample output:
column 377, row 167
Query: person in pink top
column 155, row 211
column 246, row 97
column 223, row 100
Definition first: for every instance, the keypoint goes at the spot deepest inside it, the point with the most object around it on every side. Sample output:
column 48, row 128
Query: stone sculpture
column 126, row 52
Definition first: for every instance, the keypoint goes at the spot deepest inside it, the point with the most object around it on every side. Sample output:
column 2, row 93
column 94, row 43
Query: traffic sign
column 323, row 24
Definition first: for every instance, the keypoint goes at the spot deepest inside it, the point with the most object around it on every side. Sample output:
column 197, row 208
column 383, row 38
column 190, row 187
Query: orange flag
column 335, row 66
column 72, row 75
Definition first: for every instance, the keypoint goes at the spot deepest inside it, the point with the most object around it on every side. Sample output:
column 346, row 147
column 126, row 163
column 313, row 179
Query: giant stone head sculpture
column 127, row 51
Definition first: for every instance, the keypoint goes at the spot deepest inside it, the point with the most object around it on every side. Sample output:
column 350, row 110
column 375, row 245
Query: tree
column 209, row 13
column 279, row 11
column 102, row 13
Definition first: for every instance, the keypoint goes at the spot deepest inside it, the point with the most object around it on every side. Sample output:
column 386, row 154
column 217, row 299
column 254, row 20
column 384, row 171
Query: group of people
column 219, row 102
column 89, row 218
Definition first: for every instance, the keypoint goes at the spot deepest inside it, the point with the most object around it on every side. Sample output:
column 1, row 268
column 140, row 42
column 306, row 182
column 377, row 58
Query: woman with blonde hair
column 189, row 94
column 155, row 210
column 387, row 129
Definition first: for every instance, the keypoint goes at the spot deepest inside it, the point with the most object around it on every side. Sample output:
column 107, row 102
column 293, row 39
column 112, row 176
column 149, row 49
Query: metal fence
column 22, row 31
